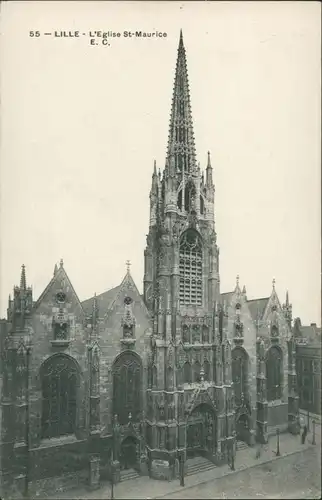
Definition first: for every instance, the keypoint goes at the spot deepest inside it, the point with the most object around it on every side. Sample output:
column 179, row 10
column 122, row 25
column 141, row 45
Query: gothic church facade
column 124, row 381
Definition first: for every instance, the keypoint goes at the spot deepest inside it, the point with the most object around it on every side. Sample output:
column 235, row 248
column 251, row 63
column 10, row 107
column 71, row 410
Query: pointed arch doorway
column 201, row 431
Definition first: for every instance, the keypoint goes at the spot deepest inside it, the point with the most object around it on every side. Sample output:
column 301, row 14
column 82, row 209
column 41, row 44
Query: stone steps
column 128, row 474
column 199, row 464
column 241, row 445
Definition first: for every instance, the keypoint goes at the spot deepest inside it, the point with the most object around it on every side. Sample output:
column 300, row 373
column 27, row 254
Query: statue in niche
column 60, row 331
column 185, row 334
column 239, row 328
column 195, row 334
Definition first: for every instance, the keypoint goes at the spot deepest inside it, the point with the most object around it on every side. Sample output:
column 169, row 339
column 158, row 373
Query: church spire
column 181, row 144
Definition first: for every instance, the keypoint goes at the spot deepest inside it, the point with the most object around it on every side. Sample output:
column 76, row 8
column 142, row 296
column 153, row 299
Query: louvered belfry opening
column 191, row 269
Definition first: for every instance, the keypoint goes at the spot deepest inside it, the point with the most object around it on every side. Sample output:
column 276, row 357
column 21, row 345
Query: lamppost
column 233, row 451
column 278, row 442
column 308, row 415
column 112, row 457
column 26, row 492
column 313, row 438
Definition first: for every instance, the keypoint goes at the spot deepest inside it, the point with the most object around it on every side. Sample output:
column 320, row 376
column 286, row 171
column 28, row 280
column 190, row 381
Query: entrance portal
column 242, row 427
column 129, row 453
column 201, row 431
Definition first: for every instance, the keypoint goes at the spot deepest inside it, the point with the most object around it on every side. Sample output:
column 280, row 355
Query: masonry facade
column 145, row 382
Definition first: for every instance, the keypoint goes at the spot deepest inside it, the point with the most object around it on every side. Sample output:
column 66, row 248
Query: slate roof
column 257, row 307
column 226, row 297
column 104, row 301
column 312, row 333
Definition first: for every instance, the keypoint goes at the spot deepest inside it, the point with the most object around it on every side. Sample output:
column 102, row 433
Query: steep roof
column 226, row 297
column 104, row 301
column 257, row 307
column 311, row 332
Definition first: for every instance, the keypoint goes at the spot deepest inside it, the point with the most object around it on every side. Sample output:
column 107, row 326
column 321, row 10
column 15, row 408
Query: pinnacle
column 23, row 283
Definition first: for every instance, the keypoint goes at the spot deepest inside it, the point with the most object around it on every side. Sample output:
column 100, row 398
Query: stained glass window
column 127, row 388
column 59, row 378
column 274, row 371
column 239, row 373
column 191, row 269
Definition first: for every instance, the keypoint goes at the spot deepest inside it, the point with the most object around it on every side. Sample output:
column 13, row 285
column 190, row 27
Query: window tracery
column 239, row 374
column 127, row 388
column 274, row 371
column 191, row 269
column 59, row 379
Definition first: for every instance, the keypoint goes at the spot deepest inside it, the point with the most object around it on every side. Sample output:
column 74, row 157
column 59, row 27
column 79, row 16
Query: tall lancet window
column 191, row 269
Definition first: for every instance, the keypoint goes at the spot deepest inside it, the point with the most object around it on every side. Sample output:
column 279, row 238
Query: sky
column 82, row 124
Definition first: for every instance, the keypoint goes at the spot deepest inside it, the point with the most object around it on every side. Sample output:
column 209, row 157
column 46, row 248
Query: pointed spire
column 237, row 288
column 181, row 143
column 209, row 181
column 209, row 161
column 154, row 167
column 55, row 269
column 61, row 263
column 23, row 282
column 128, row 264
column 273, row 283
column 287, row 302
column 244, row 290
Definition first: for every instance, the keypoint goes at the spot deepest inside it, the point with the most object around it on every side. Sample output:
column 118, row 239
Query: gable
column 104, row 302
column 60, row 282
column 257, row 307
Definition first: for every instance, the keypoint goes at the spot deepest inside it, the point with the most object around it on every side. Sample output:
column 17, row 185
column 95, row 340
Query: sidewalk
column 144, row 487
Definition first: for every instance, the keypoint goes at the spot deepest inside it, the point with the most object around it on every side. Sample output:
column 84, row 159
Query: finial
column 244, row 290
column 273, row 283
column 61, row 263
column 130, row 417
column 287, row 303
column 159, row 173
column 55, row 269
column 202, row 374
column 23, row 284
column 155, row 167
column 128, row 264
column 237, row 281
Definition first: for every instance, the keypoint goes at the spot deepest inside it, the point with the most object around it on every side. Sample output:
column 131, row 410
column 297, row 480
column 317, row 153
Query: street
column 294, row 476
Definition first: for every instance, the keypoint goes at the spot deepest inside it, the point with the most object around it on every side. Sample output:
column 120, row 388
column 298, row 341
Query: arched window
column 191, row 269
column 59, row 380
column 202, row 205
column 189, row 193
column 274, row 373
column 239, row 374
column 179, row 201
column 205, row 334
column 196, row 371
column 127, row 388
column 206, row 367
column 187, row 372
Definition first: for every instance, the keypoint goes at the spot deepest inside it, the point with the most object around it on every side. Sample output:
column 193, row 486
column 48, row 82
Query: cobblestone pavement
column 246, row 464
column 293, row 476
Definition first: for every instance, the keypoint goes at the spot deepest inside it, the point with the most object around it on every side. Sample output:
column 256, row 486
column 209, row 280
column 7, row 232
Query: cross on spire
column 274, row 283
column 128, row 264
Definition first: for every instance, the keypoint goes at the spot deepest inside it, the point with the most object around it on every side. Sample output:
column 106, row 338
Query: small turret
column 209, row 181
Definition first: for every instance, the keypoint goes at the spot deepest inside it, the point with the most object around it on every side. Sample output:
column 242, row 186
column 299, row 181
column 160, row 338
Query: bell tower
column 181, row 256
column 182, row 292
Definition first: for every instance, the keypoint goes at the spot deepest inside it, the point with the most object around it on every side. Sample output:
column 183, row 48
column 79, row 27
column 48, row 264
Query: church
column 124, row 384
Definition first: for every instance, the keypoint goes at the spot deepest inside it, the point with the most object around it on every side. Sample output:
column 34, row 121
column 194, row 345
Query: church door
column 129, row 453
column 201, row 431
